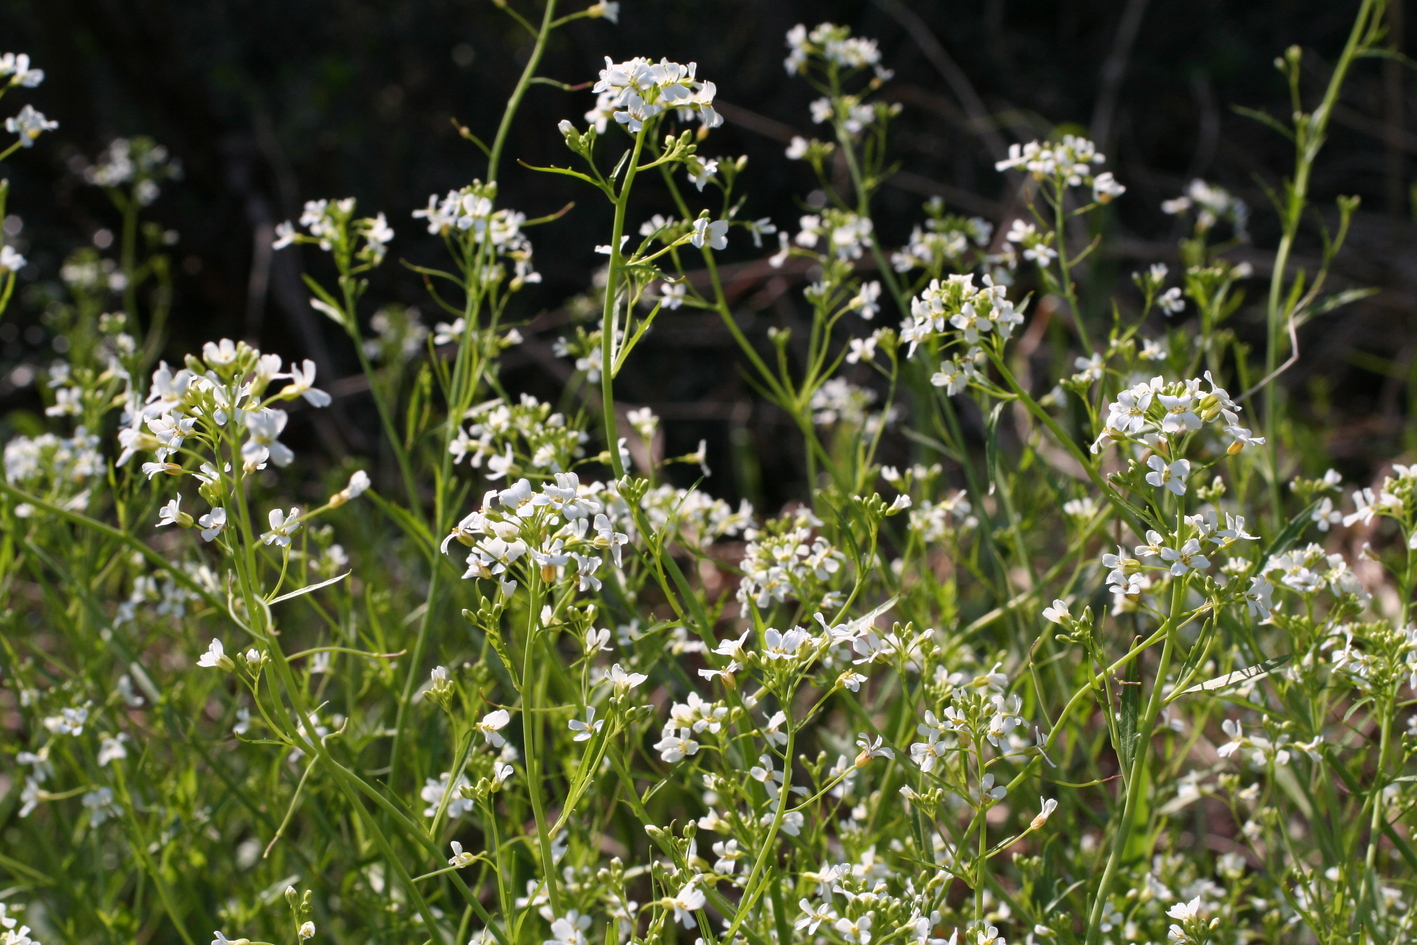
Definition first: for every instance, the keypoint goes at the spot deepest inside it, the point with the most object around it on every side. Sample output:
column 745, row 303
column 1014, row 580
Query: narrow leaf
column 1249, row 673
column 310, row 587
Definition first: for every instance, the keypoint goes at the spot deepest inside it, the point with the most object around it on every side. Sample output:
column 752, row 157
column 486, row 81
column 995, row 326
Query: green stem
column 534, row 675
column 513, row 103
column 1060, row 234
column 607, row 322
column 1137, row 773
column 1308, row 139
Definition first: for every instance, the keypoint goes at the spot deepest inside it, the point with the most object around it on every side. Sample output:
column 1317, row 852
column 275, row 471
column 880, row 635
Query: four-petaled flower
column 1168, row 475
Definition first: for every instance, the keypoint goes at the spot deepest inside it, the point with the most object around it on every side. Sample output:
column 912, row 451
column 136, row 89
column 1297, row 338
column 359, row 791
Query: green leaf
column 1127, row 725
column 1264, row 119
column 1338, row 300
column 309, row 588
column 1249, row 673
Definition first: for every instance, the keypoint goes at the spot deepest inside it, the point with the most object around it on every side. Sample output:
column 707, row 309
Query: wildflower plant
column 1104, row 672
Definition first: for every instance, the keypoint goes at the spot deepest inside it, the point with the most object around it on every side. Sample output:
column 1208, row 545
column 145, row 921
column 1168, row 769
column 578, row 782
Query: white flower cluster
column 1211, row 205
column 696, row 519
column 787, row 563
column 562, row 529
column 1396, row 498
column 331, row 225
column 841, row 233
column 501, row 433
column 165, row 599
column 979, row 707
column 1069, row 162
column 956, row 302
column 936, row 521
column 833, row 45
column 943, row 239
column 1151, row 411
column 140, row 162
column 637, row 90
column 1310, row 569
column 28, row 124
column 231, row 391
column 840, row 401
column 471, row 211
column 53, row 460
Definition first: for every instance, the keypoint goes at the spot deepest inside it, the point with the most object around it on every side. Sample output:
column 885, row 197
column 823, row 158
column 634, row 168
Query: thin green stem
column 538, row 49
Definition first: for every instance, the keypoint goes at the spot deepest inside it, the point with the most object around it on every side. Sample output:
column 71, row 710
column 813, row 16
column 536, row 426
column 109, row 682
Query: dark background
column 271, row 103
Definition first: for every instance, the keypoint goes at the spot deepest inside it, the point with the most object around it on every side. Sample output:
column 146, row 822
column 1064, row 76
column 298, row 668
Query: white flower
column 459, row 859
column 857, row 930
column 1171, row 301
column 1058, row 613
column 676, row 744
column 1105, row 188
column 868, row 300
column 285, row 235
column 283, row 525
column 1258, row 597
column 1326, row 515
column 584, row 730
column 569, row 929
column 101, row 807
column 215, row 657
column 701, row 172
column 111, row 748
column 169, row 514
column 862, row 349
column 306, row 931
column 17, row 67
column 264, row 426
column 608, row 9
column 714, row 232
column 212, row 523
column 687, row 901
column 813, row 916
column 622, row 681
column 1049, row 805
column 358, row 484
column 871, row 748
column 1171, row 476
column 29, row 125
column 302, row 380
column 377, row 235
column 11, row 261
column 988, row 789
column 491, row 725
column 1187, row 558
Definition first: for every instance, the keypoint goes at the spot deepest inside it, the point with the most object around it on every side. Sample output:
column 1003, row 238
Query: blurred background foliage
column 269, row 104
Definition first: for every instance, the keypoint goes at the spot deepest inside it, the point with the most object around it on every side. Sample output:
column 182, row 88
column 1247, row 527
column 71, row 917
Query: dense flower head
column 1211, row 204
column 833, row 45
column 1072, row 162
column 943, row 239
column 332, row 225
column 470, row 212
column 138, row 162
column 957, row 303
column 638, row 90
